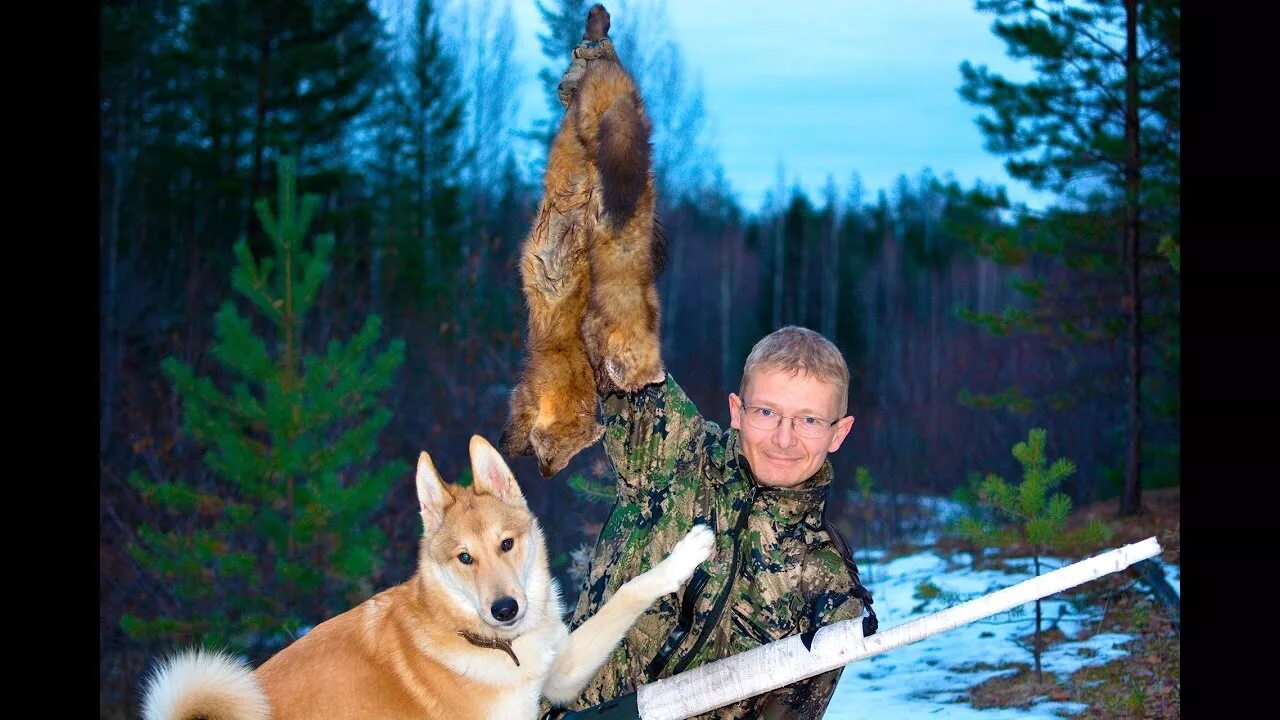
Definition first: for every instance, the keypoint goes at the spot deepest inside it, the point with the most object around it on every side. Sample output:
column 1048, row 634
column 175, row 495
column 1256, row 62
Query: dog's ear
column 433, row 496
column 491, row 475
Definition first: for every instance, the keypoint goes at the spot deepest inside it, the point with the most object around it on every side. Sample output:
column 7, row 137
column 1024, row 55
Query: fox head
column 481, row 546
column 556, row 445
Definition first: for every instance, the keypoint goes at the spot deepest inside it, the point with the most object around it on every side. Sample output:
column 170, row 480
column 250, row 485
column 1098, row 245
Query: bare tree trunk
column 935, row 400
column 778, row 273
column 375, row 268
column 231, row 204
column 671, row 304
column 110, row 334
column 420, row 206
column 260, row 123
column 1131, row 500
column 726, row 295
column 802, row 299
column 830, row 275
column 1035, row 557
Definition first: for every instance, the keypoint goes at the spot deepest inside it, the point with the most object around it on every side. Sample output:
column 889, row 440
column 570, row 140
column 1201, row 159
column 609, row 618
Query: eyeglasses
column 806, row 426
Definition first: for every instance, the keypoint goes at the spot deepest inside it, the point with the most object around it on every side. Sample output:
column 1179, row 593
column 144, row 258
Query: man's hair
column 796, row 350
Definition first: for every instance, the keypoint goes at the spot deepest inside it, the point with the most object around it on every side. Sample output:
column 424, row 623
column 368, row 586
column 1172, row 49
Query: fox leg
column 621, row 328
column 553, row 408
column 520, row 416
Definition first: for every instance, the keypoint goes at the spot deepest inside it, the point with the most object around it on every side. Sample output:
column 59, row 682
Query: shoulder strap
column 869, row 623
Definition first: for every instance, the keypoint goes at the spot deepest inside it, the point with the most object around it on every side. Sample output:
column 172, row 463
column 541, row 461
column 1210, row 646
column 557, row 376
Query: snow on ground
column 925, row 679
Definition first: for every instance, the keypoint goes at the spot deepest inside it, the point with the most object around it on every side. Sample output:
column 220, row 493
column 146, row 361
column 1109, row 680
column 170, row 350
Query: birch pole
column 786, row 661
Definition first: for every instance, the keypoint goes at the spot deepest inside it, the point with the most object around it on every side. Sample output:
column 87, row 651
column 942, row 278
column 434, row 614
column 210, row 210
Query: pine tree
column 416, row 166
column 312, row 61
column 249, row 81
column 279, row 536
column 566, row 20
column 1026, row 515
column 1099, row 125
column 489, row 77
column 436, row 121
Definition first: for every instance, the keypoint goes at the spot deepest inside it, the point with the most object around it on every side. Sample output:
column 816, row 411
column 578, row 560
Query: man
column 778, row 569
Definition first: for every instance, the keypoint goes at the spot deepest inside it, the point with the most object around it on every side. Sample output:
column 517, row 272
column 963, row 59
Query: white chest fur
column 521, row 686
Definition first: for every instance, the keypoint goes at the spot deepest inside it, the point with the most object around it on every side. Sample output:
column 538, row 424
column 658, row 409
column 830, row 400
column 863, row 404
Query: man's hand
column 586, row 50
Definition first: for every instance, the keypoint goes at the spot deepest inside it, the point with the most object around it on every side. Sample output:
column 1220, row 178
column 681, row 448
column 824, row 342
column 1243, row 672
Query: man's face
column 780, row 457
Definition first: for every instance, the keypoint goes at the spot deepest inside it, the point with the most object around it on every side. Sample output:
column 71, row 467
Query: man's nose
column 785, row 435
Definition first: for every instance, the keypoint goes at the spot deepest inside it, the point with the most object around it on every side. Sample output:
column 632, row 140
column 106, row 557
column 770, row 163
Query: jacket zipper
column 677, row 636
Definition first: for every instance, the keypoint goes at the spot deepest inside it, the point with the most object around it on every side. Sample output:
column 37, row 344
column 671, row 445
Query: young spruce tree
column 1032, row 517
column 280, row 537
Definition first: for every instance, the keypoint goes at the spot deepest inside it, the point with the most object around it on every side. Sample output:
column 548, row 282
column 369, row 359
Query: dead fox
column 588, row 265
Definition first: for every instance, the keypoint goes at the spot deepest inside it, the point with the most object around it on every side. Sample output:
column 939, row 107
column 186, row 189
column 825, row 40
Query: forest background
column 261, row 404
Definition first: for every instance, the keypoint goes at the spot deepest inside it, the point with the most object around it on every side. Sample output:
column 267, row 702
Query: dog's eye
column 508, row 544
column 465, row 558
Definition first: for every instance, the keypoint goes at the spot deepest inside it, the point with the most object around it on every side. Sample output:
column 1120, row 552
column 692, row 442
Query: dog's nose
column 504, row 609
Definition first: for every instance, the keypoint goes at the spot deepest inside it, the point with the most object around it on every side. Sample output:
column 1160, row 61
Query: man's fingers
column 595, row 49
column 586, row 50
column 569, row 81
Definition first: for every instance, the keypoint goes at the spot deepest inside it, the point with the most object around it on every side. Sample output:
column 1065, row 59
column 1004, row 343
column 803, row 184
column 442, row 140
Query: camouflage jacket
column 775, row 571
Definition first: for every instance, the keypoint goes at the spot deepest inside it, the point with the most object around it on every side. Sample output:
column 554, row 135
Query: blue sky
column 825, row 87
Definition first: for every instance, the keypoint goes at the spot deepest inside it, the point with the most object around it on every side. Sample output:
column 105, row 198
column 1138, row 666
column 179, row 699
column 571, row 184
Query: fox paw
column 627, row 372
column 515, row 441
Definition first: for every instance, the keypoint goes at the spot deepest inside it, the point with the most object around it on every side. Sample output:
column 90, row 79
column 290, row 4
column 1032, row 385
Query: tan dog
column 587, row 266
column 475, row 633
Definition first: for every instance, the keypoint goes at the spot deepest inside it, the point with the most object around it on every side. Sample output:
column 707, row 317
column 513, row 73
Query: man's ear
column 843, row 425
column 735, row 411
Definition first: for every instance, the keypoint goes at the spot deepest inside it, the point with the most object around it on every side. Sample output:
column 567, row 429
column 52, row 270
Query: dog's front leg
column 591, row 643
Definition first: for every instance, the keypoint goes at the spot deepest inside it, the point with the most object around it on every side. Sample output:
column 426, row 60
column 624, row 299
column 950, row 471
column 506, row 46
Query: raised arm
column 652, row 434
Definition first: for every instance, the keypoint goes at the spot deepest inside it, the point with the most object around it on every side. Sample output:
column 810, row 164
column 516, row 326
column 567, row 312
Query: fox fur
column 588, row 265
column 477, row 632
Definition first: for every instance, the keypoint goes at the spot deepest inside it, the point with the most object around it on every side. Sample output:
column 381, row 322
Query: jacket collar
column 785, row 505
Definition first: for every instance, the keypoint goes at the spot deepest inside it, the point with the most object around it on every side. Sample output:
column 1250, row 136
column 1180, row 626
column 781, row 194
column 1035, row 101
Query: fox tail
column 624, row 158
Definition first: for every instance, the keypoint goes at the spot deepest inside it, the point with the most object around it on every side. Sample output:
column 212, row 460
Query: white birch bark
column 786, row 661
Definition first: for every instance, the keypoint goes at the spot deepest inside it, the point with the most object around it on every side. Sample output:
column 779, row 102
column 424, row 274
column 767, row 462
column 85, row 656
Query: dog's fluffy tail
column 625, row 157
column 204, row 684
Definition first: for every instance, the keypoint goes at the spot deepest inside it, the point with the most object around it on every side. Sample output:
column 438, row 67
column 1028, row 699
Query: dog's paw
column 694, row 547
column 692, row 550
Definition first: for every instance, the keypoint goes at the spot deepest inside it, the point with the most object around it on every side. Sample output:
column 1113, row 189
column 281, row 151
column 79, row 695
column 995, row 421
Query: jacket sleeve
column 808, row 698
column 651, row 435
column 833, row 595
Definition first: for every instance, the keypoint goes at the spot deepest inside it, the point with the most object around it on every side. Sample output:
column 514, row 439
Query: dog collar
column 494, row 643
